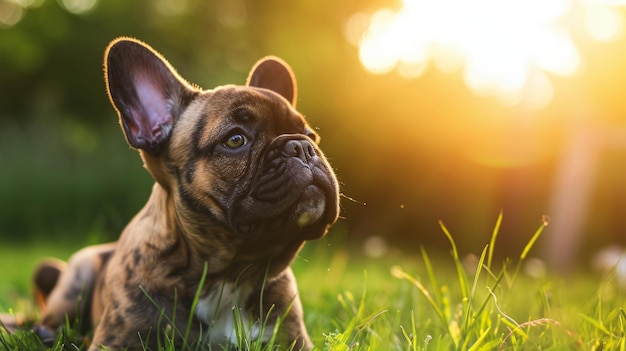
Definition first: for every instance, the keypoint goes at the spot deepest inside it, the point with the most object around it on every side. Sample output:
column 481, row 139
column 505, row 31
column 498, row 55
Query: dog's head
column 236, row 160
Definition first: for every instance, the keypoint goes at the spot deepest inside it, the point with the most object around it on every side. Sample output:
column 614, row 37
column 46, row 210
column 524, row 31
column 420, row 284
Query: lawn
column 424, row 301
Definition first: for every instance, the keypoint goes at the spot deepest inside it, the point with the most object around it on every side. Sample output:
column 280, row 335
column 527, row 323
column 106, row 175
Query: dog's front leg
column 281, row 297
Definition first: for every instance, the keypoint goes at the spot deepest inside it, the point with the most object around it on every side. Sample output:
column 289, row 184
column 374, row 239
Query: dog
column 240, row 185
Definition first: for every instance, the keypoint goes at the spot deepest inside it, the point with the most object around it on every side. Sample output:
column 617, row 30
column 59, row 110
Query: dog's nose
column 302, row 149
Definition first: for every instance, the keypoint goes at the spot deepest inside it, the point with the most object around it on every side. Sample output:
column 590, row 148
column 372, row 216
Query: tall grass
column 486, row 306
column 430, row 302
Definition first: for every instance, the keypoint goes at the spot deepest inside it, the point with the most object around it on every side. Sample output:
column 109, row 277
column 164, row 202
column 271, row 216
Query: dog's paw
column 46, row 335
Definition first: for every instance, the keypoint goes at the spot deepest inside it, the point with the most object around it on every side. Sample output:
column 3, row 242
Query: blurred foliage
column 71, row 184
column 66, row 170
column 408, row 152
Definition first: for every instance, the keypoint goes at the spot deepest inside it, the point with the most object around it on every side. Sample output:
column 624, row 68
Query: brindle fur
column 210, row 206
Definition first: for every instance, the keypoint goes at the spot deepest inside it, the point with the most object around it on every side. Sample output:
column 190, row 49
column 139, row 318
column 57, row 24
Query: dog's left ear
column 146, row 91
column 274, row 74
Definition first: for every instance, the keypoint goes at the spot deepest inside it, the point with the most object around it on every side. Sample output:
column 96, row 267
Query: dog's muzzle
column 295, row 184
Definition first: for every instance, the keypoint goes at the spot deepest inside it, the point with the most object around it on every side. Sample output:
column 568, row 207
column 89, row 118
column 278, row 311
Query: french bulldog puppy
column 240, row 185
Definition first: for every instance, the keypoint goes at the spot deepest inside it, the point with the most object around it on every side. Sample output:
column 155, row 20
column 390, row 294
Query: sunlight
column 12, row 11
column 79, row 6
column 505, row 48
column 10, row 14
column 170, row 8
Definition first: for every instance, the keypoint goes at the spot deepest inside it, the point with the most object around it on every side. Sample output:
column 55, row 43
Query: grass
column 429, row 301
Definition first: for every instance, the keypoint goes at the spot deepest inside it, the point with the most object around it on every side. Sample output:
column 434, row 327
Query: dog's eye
column 234, row 141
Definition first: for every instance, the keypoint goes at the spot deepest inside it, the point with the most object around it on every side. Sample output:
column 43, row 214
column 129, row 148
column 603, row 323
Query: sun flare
column 505, row 48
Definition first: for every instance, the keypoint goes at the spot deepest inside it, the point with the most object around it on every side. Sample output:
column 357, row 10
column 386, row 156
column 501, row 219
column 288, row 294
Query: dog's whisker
column 352, row 199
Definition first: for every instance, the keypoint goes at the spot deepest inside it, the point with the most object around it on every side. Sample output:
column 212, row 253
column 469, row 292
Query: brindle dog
column 240, row 185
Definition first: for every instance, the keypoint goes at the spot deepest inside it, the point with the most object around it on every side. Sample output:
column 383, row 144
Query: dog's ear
column 274, row 74
column 146, row 91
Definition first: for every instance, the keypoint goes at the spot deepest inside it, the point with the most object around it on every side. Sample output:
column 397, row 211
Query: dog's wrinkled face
column 239, row 160
column 257, row 163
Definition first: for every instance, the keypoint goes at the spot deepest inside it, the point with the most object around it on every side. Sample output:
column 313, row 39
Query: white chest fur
column 223, row 311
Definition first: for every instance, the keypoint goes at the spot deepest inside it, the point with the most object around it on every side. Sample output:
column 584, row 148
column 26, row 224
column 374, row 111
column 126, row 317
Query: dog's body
column 240, row 185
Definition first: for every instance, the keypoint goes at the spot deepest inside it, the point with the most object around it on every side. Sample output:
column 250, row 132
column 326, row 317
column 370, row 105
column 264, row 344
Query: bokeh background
column 428, row 110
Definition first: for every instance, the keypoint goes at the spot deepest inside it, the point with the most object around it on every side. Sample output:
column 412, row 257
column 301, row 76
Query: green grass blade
column 597, row 324
column 397, row 272
column 529, row 246
column 488, row 297
column 534, row 238
column 432, row 277
column 194, row 304
column 162, row 313
column 457, row 262
column 510, row 320
column 479, row 341
column 492, row 243
column 468, row 312
column 412, row 338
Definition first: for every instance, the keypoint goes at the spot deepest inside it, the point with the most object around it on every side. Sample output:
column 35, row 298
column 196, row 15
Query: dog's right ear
column 146, row 91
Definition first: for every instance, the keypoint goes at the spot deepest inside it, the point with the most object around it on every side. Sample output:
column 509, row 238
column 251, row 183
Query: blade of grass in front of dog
column 263, row 327
column 277, row 325
column 262, row 294
column 162, row 316
column 264, row 317
column 194, row 304
column 242, row 340
column 173, row 330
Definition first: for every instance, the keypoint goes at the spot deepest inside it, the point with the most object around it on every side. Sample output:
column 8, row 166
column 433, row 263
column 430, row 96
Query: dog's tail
column 45, row 278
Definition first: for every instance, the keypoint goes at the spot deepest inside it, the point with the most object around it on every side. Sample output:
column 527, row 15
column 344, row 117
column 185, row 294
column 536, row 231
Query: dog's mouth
column 294, row 189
